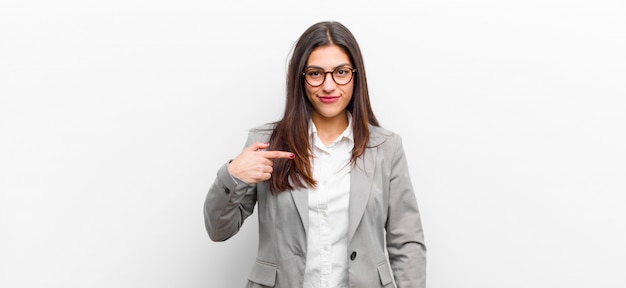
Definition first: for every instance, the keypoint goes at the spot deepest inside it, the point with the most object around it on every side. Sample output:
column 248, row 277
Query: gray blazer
column 383, row 214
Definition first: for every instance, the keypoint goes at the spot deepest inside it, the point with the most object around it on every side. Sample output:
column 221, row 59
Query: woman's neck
column 328, row 129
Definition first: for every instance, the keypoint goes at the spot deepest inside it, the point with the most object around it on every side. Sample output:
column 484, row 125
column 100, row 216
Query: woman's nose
column 329, row 83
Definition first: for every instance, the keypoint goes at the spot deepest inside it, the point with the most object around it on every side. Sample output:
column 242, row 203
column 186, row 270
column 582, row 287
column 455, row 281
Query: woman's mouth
column 328, row 99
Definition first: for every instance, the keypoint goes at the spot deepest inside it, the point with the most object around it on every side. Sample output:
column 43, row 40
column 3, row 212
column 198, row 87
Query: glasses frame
column 353, row 70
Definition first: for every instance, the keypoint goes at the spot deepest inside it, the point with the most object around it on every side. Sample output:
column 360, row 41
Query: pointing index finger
column 277, row 154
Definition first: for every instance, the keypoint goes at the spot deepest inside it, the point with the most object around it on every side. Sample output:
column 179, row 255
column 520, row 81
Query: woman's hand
column 253, row 166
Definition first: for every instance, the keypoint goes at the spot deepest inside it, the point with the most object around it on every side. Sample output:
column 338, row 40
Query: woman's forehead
column 328, row 57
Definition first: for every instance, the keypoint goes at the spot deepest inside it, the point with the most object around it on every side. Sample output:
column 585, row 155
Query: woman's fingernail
column 292, row 156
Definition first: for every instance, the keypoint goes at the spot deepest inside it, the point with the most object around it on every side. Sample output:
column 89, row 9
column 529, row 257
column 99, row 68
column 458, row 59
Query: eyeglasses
column 341, row 75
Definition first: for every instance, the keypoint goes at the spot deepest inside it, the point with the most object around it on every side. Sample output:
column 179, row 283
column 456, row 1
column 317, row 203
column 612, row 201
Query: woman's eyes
column 314, row 73
column 342, row 72
column 337, row 72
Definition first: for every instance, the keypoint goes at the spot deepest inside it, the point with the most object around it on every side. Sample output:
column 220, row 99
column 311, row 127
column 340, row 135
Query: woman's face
column 329, row 99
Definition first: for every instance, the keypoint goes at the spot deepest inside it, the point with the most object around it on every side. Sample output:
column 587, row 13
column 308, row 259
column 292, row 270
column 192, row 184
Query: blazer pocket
column 384, row 274
column 263, row 273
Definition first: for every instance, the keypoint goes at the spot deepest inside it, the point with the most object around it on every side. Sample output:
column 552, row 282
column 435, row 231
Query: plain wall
column 116, row 115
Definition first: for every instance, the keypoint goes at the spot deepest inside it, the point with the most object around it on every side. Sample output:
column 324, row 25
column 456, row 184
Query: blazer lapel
column 361, row 177
column 301, row 199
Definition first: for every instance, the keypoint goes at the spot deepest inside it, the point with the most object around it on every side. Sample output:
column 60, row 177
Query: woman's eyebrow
column 318, row 67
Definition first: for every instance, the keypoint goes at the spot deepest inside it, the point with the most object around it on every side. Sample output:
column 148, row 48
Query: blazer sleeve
column 228, row 203
column 405, row 237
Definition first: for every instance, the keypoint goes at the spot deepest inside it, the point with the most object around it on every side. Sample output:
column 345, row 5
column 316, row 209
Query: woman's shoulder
column 260, row 133
column 267, row 128
column 380, row 131
column 380, row 135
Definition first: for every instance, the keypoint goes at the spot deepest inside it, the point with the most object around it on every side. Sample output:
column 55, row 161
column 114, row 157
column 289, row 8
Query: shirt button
column 353, row 255
column 326, row 248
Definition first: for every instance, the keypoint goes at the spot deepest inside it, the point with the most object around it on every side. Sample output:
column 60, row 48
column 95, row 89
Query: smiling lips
column 328, row 99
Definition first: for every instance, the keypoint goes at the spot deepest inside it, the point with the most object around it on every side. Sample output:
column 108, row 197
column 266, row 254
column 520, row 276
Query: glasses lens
column 342, row 75
column 314, row 77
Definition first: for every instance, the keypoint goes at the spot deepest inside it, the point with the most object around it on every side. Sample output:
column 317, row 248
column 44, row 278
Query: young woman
column 336, row 205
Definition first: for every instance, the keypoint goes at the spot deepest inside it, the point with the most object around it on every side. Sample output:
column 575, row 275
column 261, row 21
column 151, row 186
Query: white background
column 115, row 116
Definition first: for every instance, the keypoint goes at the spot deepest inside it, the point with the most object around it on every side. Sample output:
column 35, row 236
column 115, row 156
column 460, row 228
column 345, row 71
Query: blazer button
column 226, row 190
column 353, row 255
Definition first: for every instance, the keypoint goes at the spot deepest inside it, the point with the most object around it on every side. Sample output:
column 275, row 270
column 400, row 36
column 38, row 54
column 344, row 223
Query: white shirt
column 327, row 239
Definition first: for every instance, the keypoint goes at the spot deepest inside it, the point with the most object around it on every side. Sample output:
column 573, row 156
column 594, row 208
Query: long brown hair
column 291, row 133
